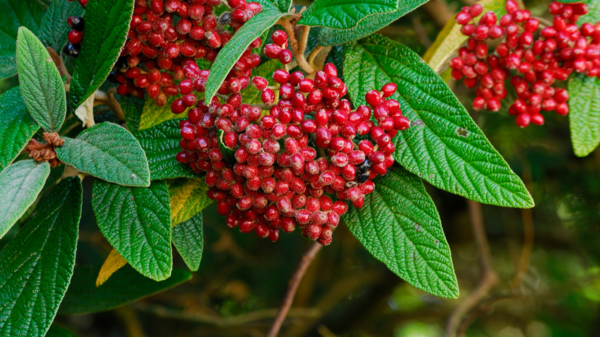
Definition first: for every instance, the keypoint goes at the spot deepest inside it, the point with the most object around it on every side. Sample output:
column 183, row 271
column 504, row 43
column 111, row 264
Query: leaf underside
column 41, row 85
column 126, row 285
column 584, row 114
column 16, row 126
column 137, row 223
column 400, row 226
column 32, row 285
column 107, row 151
column 20, row 185
column 443, row 146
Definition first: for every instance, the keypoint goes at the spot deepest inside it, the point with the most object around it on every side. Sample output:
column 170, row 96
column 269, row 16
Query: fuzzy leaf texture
column 133, row 108
column 344, row 14
column 188, row 198
column 16, row 126
column 233, row 50
column 137, row 223
column 105, row 33
column 444, row 146
column 15, row 14
column 41, row 85
column 126, row 286
column 367, row 26
column 400, row 226
column 20, row 185
column 584, row 115
column 593, row 15
column 188, row 238
column 450, row 38
column 107, row 151
column 54, row 28
column 161, row 144
column 36, row 266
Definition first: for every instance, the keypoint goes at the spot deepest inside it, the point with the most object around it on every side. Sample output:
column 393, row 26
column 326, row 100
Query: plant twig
column 221, row 321
column 313, row 55
column 489, row 278
column 483, row 307
column 298, row 48
column 307, row 258
column 528, row 234
column 60, row 65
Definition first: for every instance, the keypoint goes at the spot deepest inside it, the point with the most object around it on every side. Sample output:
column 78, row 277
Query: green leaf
column 41, row 85
column 233, row 50
column 54, row 28
column 189, row 241
column 153, row 114
column 16, row 13
column 584, row 115
column 399, row 225
column 16, row 126
column 36, row 266
column 450, row 38
column 593, row 14
column 344, row 14
column 56, row 331
column 227, row 152
column 188, row 198
column 161, row 144
column 444, row 146
column 20, row 184
column 126, row 286
column 109, row 152
column 336, row 56
column 367, row 26
column 105, row 33
column 137, row 223
column 133, row 108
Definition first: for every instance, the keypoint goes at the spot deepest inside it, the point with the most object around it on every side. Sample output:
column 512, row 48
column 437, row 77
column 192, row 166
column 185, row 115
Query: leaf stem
column 298, row 48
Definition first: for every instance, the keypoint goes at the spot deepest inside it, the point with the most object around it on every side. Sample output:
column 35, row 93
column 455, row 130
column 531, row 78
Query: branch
column 298, row 48
column 488, row 279
column 197, row 317
column 528, row 234
column 60, row 65
column 307, row 258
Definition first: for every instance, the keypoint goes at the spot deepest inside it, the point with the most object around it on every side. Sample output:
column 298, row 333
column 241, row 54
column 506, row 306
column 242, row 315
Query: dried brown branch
column 60, row 65
column 489, row 278
column 307, row 258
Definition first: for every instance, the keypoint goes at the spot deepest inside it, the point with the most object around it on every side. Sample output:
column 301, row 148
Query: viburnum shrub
column 530, row 56
column 285, row 118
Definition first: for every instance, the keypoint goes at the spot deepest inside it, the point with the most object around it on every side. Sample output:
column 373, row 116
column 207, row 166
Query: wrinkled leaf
column 593, row 14
column 400, row 226
column 188, row 198
column 20, row 184
column 41, row 85
column 450, row 38
column 584, row 115
column 367, row 26
column 16, row 13
column 233, row 50
column 109, row 152
column 127, row 285
column 444, row 146
column 344, row 14
column 137, row 223
column 33, row 284
column 188, row 238
column 161, row 144
column 105, row 33
column 54, row 25
column 16, row 126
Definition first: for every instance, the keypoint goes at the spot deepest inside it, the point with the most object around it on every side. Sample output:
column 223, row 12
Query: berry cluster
column 531, row 63
column 165, row 39
column 284, row 169
column 83, row 3
column 73, row 48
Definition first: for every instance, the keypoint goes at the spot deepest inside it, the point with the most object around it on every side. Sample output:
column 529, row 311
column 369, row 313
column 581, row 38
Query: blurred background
column 346, row 292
